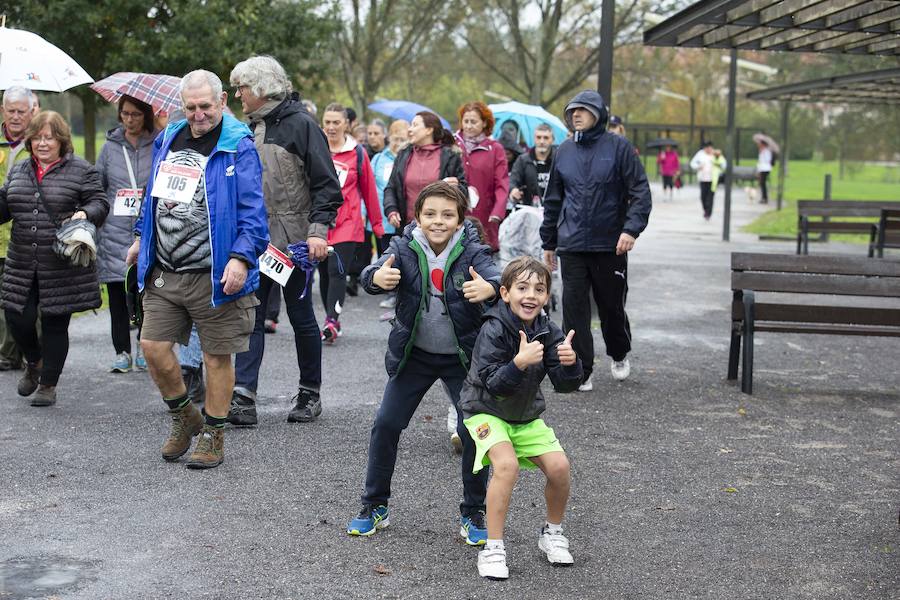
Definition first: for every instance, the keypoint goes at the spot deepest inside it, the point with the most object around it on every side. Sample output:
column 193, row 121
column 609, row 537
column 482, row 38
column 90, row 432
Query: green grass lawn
column 78, row 142
column 806, row 181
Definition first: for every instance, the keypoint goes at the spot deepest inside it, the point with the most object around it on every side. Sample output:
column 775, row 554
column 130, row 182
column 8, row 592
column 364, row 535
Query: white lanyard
column 130, row 170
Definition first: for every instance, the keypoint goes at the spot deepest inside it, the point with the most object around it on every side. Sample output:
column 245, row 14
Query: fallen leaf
column 428, row 418
column 382, row 570
column 726, row 450
column 730, row 490
column 742, row 412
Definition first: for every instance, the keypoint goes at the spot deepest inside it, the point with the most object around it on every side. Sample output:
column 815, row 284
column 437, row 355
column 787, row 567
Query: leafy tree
column 380, row 40
column 175, row 36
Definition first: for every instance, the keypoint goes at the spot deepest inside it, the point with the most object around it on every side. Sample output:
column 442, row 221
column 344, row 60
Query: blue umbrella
column 527, row 117
column 402, row 109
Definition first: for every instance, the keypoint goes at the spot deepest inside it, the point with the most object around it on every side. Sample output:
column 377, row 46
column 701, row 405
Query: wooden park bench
column 815, row 278
column 830, row 216
column 888, row 231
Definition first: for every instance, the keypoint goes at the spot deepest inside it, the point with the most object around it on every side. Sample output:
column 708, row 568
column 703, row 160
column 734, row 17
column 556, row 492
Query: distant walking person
column 597, row 203
column 669, row 167
column 709, row 164
column 763, row 168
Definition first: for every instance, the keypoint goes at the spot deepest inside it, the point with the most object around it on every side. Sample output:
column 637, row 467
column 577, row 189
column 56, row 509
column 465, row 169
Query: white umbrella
column 29, row 60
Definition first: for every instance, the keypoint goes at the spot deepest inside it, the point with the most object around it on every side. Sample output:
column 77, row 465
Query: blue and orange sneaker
column 473, row 528
column 369, row 520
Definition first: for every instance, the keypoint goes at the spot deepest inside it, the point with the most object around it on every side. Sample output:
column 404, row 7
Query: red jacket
column 348, row 225
column 487, row 171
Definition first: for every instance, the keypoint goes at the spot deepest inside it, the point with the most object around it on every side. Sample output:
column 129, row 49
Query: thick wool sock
column 494, row 545
column 176, row 403
column 217, row 422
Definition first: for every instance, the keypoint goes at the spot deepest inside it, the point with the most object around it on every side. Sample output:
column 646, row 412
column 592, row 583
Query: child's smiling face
column 439, row 220
column 527, row 296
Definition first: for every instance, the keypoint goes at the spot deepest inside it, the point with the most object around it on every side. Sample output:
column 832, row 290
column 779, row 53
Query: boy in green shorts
column 502, row 401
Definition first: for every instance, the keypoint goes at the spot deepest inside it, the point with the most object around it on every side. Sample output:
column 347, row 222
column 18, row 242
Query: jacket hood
column 514, row 324
column 117, row 135
column 232, row 132
column 287, row 107
column 595, row 100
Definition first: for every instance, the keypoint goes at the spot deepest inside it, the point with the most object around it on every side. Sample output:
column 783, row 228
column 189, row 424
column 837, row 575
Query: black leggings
column 119, row 323
column 333, row 283
column 54, row 331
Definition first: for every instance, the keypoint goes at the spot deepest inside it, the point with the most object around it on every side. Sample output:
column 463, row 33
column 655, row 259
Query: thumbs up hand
column 530, row 353
column 566, row 354
column 387, row 277
column 477, row 289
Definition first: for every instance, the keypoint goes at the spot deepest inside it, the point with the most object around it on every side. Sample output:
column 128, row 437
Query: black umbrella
column 662, row 143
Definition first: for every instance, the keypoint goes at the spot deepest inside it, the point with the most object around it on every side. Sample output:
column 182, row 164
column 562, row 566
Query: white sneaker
column 456, row 442
column 492, row 564
column 621, row 369
column 389, row 302
column 451, row 419
column 588, row 385
column 555, row 546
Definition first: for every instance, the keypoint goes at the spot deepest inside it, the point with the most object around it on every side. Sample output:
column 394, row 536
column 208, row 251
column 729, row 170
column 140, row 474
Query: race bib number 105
column 176, row 183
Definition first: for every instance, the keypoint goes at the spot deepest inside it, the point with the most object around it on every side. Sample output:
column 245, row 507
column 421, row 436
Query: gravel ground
column 682, row 486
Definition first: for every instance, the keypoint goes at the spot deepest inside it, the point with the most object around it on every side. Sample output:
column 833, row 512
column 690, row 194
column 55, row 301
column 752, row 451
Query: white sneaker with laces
column 451, row 419
column 621, row 369
column 588, row 385
column 389, row 302
column 492, row 564
column 556, row 547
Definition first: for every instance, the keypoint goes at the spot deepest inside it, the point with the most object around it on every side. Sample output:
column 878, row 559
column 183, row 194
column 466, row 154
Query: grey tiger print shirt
column 182, row 230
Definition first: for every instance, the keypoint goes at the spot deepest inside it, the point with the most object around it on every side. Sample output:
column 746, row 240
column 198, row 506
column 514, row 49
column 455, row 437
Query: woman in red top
column 357, row 185
column 484, row 160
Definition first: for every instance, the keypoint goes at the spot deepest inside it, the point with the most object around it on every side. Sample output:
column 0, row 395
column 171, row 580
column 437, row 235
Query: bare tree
column 378, row 40
column 554, row 55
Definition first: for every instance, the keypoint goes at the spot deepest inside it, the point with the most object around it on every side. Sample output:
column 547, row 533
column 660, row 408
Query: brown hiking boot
column 29, row 381
column 186, row 423
column 209, row 451
column 45, row 396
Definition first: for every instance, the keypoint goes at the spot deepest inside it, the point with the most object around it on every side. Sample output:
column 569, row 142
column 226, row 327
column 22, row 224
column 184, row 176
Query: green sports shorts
column 534, row 438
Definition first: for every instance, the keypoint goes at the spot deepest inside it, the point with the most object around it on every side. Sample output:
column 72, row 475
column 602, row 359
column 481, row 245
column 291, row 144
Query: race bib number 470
column 176, row 183
column 276, row 265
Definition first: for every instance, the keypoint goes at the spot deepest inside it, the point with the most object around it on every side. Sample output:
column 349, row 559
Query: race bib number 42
column 128, row 202
column 176, row 183
column 276, row 265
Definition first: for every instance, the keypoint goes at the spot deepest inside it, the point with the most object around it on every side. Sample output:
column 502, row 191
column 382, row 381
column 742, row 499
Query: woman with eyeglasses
column 40, row 194
column 124, row 166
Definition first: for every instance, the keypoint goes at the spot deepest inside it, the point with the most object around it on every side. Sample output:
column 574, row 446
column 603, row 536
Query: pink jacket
column 668, row 163
column 348, row 226
column 487, row 171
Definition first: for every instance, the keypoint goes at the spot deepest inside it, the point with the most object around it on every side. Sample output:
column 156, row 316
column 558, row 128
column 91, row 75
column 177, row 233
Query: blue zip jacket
column 238, row 227
column 597, row 190
column 413, row 292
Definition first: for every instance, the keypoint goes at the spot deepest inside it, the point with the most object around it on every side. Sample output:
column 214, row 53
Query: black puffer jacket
column 72, row 184
column 496, row 386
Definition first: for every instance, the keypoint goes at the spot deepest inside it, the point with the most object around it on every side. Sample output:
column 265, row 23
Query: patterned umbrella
column 159, row 91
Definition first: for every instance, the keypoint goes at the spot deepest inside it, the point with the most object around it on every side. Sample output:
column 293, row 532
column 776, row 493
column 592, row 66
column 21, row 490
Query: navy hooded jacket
column 598, row 188
column 413, row 292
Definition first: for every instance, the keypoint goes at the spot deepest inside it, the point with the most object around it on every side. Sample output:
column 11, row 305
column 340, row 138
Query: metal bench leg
column 747, row 369
column 734, row 353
